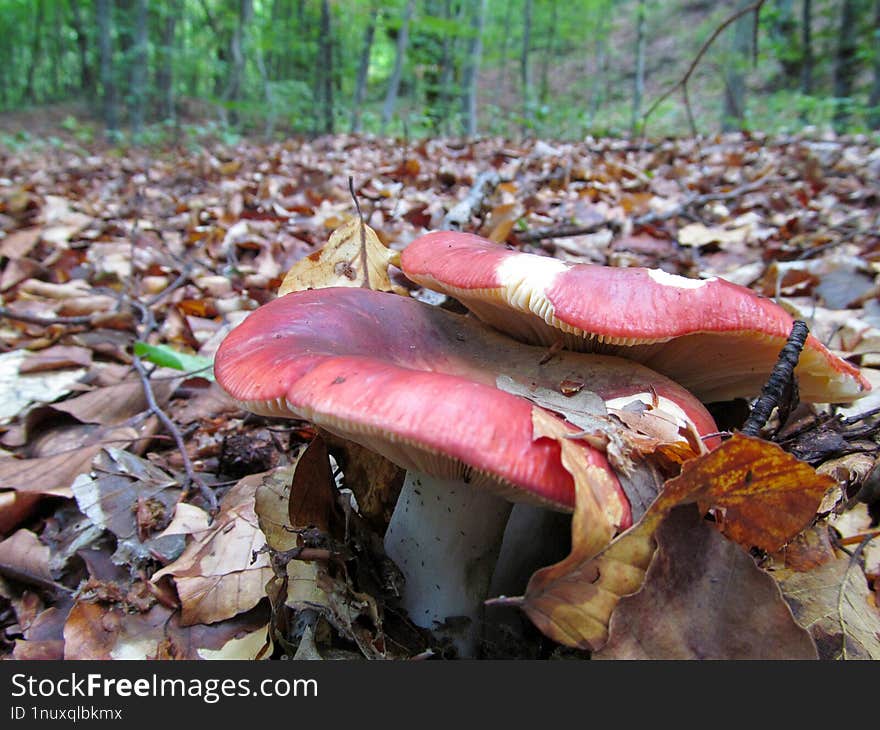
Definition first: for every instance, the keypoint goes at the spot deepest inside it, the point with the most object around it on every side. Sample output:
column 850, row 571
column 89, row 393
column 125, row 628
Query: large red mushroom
column 717, row 339
column 420, row 386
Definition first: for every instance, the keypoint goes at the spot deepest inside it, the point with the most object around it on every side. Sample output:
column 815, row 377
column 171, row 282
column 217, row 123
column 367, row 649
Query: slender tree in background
column 874, row 98
column 360, row 89
column 472, row 70
column 783, row 31
column 234, row 89
column 599, row 73
column 165, row 67
column 448, row 61
column 79, row 24
column 138, row 90
column 639, row 77
column 400, row 55
column 549, row 56
column 103, row 13
column 734, row 111
column 525, row 68
column 807, row 43
column 36, row 43
column 845, row 63
column 325, row 61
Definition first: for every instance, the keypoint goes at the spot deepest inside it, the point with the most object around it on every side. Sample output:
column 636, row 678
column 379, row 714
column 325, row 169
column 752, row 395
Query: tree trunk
column 525, row 69
column 733, row 115
column 235, row 86
column 600, row 72
column 874, row 99
column 360, row 89
column 472, row 71
column 783, row 30
column 639, row 78
column 86, row 74
column 326, row 66
column 505, row 41
column 394, row 83
column 807, row 42
column 845, row 65
column 36, row 48
column 548, row 58
column 448, row 62
column 138, row 92
column 103, row 12
column 165, row 75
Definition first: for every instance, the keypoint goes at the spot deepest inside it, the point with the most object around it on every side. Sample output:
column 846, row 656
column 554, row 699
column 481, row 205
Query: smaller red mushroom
column 717, row 339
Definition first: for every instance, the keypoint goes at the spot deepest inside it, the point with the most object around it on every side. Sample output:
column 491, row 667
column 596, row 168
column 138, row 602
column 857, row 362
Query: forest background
column 161, row 71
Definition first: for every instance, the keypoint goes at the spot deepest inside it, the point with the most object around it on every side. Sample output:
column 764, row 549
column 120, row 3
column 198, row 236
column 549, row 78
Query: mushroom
column 420, row 385
column 717, row 339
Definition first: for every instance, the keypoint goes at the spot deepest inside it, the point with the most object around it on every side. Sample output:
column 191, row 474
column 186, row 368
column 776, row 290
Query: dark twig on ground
column 780, row 391
column 44, row 321
column 565, row 231
column 191, row 475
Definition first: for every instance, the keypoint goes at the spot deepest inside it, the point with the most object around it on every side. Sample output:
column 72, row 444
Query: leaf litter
column 101, row 252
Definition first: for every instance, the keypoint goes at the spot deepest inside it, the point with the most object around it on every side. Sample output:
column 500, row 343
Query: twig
column 780, row 382
column 191, row 475
column 461, row 213
column 565, row 231
column 682, row 83
column 44, row 321
column 176, row 284
column 365, row 262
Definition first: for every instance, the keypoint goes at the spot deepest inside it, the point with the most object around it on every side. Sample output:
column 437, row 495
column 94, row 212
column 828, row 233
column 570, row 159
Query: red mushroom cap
column 718, row 339
column 417, row 384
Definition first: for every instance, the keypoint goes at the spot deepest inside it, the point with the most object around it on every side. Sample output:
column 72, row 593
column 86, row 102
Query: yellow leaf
column 340, row 262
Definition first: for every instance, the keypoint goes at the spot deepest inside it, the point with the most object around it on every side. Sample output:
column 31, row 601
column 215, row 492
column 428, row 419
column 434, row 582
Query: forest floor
column 106, row 247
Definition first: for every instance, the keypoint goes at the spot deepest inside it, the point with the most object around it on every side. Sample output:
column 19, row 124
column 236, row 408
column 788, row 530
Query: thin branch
column 565, row 231
column 364, row 259
column 682, row 83
column 44, row 321
column 191, row 475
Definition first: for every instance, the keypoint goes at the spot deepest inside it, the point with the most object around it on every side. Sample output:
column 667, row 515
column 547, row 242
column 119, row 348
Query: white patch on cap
column 680, row 282
column 528, row 277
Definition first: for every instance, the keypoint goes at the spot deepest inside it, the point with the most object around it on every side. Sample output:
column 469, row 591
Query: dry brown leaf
column 53, row 475
column 104, row 632
column 339, row 262
column 759, row 495
column 22, row 555
column 704, row 598
column 221, row 573
column 834, row 603
column 116, row 403
column 56, row 357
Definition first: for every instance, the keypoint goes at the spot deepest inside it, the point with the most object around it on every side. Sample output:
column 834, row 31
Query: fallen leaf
column 339, row 262
column 57, row 357
column 24, row 557
column 834, row 603
column 759, row 495
column 223, row 571
column 53, row 475
column 704, row 598
column 18, row 391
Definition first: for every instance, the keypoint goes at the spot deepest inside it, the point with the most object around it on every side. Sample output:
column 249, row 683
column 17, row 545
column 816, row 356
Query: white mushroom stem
column 445, row 537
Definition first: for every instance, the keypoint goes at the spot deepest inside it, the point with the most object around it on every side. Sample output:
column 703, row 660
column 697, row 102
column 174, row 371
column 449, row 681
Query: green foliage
column 580, row 61
column 168, row 357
